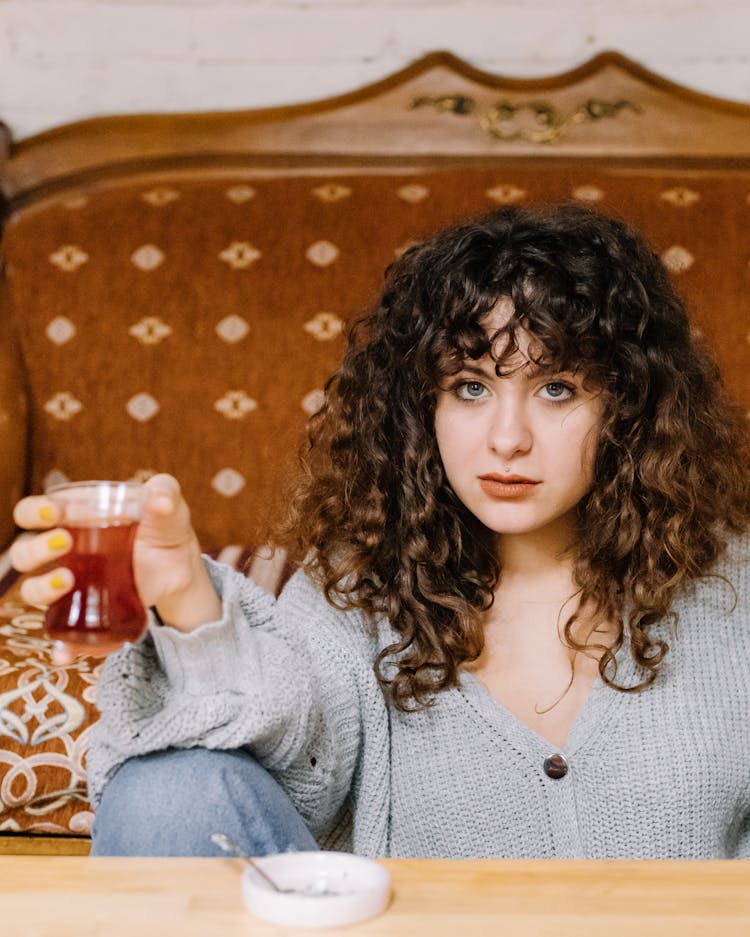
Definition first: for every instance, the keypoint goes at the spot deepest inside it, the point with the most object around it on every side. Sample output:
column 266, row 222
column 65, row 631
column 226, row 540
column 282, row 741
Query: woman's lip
column 509, row 479
column 500, row 489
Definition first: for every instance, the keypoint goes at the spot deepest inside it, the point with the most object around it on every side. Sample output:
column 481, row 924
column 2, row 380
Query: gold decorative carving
column 530, row 121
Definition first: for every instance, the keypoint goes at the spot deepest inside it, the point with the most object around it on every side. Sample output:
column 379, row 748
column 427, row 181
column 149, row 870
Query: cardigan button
column 555, row 766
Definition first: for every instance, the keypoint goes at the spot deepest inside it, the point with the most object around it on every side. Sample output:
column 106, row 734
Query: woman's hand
column 169, row 570
column 167, row 564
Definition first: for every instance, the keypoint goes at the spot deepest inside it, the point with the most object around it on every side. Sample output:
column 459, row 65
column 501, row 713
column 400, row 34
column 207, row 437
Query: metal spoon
column 228, row 845
column 316, row 889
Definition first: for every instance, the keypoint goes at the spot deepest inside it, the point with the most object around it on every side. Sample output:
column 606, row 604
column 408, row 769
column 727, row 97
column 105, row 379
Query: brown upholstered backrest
column 189, row 325
column 175, row 288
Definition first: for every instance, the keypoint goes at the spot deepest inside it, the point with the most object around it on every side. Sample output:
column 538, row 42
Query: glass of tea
column 103, row 610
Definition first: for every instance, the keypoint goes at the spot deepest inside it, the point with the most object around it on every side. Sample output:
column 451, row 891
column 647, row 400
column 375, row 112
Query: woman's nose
column 509, row 431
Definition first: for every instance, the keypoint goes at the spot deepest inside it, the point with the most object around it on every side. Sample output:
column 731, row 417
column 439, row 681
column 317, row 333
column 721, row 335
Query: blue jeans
column 169, row 803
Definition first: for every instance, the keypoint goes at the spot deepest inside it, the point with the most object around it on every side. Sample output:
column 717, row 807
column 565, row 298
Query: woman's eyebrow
column 534, row 370
column 476, row 369
column 531, row 370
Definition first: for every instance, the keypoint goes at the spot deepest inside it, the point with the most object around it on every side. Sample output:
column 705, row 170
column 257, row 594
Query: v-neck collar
column 601, row 707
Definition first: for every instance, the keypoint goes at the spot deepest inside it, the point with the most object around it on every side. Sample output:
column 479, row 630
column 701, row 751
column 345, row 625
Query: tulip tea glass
column 103, row 610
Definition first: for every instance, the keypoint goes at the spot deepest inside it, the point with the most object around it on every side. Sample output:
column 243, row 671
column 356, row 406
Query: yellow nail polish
column 57, row 582
column 57, row 542
column 46, row 514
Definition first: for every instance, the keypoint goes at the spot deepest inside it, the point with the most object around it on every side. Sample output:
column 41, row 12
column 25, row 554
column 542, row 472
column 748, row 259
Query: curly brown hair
column 373, row 515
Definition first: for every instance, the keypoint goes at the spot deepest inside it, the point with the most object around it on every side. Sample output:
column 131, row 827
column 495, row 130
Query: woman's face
column 518, row 450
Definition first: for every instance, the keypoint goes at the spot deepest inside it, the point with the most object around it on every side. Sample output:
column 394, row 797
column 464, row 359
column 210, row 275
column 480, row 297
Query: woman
column 522, row 624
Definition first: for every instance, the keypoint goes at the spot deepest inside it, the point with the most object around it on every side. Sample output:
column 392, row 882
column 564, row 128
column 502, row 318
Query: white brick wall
column 61, row 60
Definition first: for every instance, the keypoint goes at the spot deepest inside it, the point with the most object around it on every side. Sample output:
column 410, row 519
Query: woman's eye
column 470, row 390
column 556, row 390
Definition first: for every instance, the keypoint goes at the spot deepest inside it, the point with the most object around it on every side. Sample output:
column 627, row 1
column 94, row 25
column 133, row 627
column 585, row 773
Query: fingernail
column 57, row 582
column 46, row 514
column 58, row 542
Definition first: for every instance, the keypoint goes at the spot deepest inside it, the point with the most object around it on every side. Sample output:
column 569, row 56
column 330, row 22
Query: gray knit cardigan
column 663, row 773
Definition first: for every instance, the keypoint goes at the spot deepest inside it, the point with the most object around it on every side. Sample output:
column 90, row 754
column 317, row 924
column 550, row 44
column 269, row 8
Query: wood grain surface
column 48, row 896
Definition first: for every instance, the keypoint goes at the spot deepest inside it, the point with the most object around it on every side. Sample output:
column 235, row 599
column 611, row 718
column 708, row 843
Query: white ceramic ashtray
column 325, row 889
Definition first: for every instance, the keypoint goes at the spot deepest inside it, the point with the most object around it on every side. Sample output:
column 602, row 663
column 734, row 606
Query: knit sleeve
column 743, row 840
column 737, row 571
column 258, row 678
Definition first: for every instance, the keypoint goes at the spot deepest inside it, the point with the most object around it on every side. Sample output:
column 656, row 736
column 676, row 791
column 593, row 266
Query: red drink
column 103, row 610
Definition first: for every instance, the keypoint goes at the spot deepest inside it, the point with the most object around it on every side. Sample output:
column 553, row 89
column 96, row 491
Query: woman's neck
column 537, row 557
column 537, row 591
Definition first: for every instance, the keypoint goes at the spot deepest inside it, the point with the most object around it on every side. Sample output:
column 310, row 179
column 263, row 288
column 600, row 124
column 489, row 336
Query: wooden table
column 52, row 896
